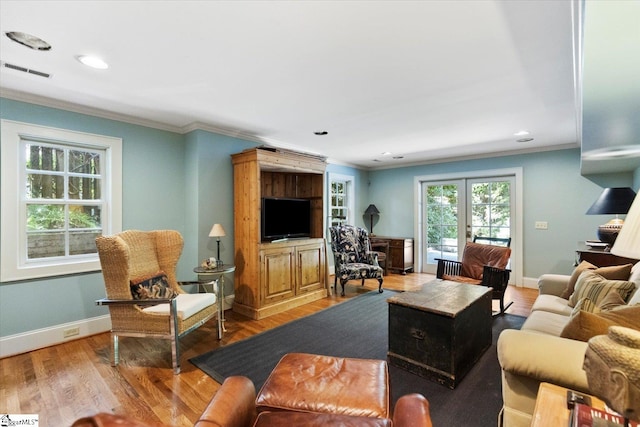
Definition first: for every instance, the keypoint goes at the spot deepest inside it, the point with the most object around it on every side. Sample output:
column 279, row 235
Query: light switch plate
column 541, row 225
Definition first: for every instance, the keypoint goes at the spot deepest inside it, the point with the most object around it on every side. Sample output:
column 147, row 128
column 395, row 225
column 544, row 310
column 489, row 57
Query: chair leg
column 342, row 283
column 175, row 355
column 502, row 306
column 175, row 342
column 115, row 357
column 380, row 285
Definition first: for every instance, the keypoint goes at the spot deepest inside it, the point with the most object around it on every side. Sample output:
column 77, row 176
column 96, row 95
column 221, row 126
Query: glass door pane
column 442, row 202
column 490, row 209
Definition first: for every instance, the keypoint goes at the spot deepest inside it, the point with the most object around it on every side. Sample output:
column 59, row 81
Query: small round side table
column 217, row 273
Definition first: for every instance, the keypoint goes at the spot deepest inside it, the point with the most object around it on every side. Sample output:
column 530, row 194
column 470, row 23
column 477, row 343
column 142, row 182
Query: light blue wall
column 153, row 198
column 210, row 189
column 172, row 181
column 361, row 190
column 185, row 182
column 554, row 191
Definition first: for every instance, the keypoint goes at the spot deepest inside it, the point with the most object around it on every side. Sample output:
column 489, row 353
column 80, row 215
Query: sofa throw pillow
column 585, row 325
column 595, row 287
column 611, row 301
column 584, row 265
column 156, row 286
column 614, row 272
column 585, row 304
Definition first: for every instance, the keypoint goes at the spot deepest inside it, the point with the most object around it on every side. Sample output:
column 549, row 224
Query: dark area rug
column 359, row 328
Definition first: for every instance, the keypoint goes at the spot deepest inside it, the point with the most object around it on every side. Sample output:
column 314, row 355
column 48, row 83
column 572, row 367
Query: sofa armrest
column 553, row 284
column 232, row 406
column 544, row 358
column 412, row 410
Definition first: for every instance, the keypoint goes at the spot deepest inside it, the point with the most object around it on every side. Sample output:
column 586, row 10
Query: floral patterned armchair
column 353, row 257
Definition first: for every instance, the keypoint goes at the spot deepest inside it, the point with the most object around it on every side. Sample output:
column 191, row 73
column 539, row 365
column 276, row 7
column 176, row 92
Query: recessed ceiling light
column 521, row 133
column 92, row 61
column 28, row 40
column 386, row 153
column 321, row 132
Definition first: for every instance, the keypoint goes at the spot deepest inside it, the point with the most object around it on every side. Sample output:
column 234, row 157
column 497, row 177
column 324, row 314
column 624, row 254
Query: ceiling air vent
column 26, row 70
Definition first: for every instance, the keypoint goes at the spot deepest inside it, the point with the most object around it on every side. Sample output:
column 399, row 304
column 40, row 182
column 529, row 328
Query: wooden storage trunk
column 441, row 331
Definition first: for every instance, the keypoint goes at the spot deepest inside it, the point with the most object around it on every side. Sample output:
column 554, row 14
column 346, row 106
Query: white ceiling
column 423, row 80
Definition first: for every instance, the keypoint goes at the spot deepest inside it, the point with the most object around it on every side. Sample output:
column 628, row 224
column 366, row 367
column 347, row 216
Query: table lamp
column 371, row 211
column 628, row 242
column 217, row 231
column 612, row 201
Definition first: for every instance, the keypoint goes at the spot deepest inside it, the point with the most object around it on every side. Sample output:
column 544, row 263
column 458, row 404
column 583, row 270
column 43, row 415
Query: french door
column 456, row 210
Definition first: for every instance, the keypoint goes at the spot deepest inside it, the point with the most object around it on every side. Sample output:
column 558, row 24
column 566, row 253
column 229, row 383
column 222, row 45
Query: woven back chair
column 353, row 257
column 136, row 256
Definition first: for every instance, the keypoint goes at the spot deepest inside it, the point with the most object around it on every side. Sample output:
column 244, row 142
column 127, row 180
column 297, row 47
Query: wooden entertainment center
column 272, row 277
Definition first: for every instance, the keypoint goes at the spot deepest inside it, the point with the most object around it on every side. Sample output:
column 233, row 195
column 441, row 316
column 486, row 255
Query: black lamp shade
column 372, row 210
column 613, row 201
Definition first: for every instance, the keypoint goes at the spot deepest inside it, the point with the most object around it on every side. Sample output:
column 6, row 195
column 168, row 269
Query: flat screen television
column 284, row 218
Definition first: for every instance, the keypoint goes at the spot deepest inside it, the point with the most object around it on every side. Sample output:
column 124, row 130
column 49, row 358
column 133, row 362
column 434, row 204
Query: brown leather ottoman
column 307, row 419
column 325, row 384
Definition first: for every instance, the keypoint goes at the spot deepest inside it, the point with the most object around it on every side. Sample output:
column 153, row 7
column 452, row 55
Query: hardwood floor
column 71, row 380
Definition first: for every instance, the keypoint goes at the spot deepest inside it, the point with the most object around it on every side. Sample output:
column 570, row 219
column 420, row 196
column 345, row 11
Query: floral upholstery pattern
column 353, row 257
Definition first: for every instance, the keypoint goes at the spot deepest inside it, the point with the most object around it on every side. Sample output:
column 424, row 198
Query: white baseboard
column 40, row 338
column 530, row 282
column 228, row 301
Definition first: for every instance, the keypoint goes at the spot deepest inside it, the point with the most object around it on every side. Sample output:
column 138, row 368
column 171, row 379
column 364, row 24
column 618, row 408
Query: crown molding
column 234, row 133
column 478, row 156
column 110, row 115
column 82, row 109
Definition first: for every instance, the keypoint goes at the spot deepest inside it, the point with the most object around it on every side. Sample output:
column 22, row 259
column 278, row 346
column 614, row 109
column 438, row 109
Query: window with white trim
column 60, row 190
column 341, row 199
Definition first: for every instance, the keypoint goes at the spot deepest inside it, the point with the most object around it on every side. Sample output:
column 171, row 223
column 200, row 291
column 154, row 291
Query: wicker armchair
column 131, row 256
column 480, row 265
column 353, row 257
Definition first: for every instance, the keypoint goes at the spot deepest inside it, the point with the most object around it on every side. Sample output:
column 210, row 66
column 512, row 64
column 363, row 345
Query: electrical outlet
column 71, row 332
column 541, row 225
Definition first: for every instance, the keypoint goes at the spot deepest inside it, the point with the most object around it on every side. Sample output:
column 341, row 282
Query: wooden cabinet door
column 277, row 275
column 310, row 266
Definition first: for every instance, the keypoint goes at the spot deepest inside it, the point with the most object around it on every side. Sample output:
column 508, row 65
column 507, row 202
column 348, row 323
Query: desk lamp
column 371, row 211
column 217, row 231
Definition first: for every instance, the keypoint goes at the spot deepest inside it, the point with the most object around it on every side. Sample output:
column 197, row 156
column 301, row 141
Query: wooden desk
column 400, row 256
column 599, row 257
column 551, row 406
column 383, row 253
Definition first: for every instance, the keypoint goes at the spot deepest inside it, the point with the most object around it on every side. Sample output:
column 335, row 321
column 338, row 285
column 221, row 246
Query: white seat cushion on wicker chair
column 187, row 305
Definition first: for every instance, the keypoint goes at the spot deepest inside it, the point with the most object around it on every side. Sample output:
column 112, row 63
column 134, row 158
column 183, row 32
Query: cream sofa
column 537, row 353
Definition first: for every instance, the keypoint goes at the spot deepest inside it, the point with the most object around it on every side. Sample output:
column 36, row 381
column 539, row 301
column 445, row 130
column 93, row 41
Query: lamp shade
column 217, row 231
column 628, row 242
column 613, row 201
column 371, row 210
